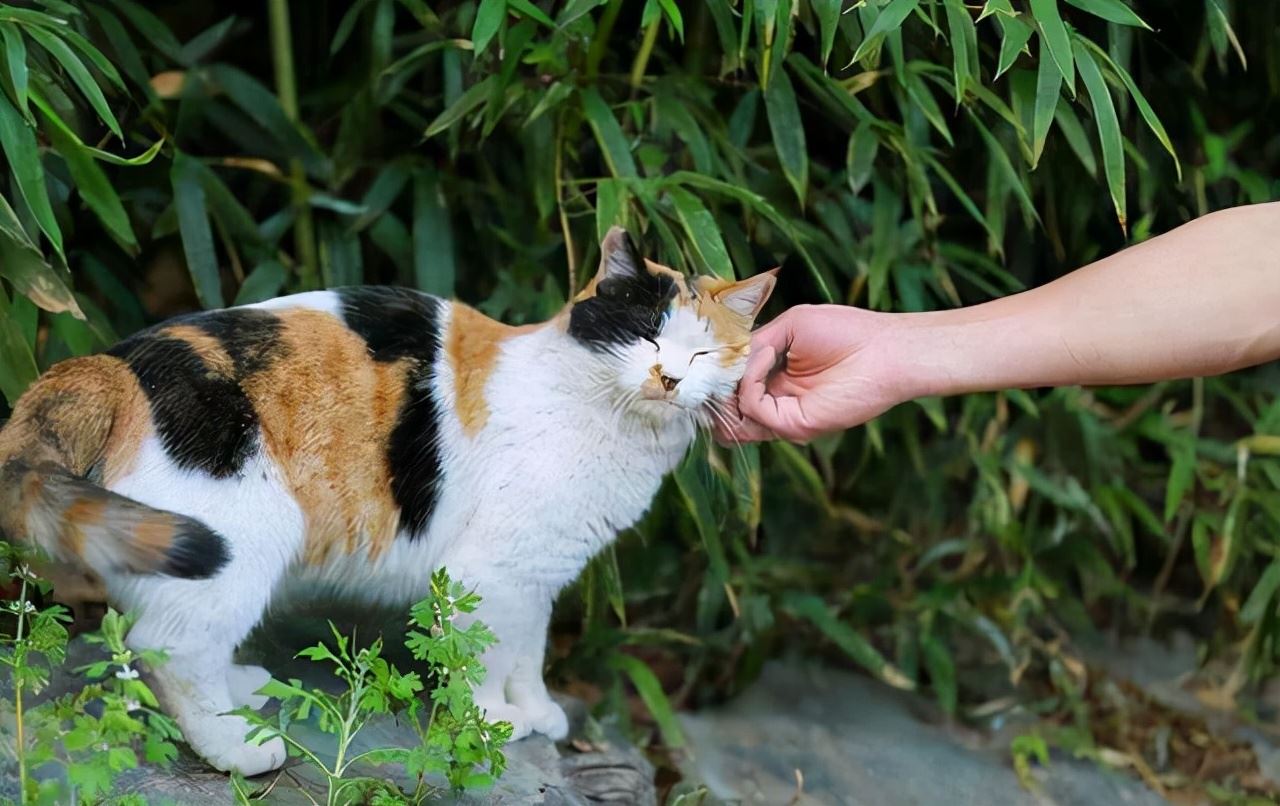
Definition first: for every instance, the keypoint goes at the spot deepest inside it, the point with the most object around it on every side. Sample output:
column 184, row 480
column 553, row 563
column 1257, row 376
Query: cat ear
column 619, row 258
column 747, row 297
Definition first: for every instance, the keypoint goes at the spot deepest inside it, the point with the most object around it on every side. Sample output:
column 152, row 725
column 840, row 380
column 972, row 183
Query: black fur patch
column 626, row 308
column 205, row 420
column 197, row 552
column 251, row 337
column 400, row 323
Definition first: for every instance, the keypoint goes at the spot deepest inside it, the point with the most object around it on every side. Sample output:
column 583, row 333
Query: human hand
column 815, row 369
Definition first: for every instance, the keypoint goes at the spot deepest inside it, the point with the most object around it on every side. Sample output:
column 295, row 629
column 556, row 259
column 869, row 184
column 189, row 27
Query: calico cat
column 353, row 440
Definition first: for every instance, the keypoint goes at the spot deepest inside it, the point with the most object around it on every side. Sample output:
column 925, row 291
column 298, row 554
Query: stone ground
column 802, row 736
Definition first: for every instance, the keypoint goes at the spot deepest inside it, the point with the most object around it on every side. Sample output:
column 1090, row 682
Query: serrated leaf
column 1111, row 11
column 1108, row 125
column 788, row 132
column 1054, row 33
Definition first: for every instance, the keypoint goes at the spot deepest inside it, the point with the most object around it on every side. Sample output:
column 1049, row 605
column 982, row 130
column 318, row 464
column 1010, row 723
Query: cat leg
column 525, row 687
column 244, row 680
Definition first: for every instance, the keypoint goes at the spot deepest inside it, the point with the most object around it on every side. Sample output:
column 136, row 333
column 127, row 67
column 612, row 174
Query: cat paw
column 244, row 682
column 549, row 719
column 220, row 741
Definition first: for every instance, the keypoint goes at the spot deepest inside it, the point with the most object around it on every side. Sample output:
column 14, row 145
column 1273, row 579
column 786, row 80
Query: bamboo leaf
column 467, row 102
column 18, row 140
column 617, row 153
column 193, row 224
column 1148, row 114
column 434, row 264
column 703, row 232
column 489, row 17
column 861, row 156
column 1262, row 595
column 828, row 14
column 698, row 502
column 611, row 195
column 812, row 609
column 651, row 693
column 18, row 368
column 1014, row 35
column 1181, row 475
column 263, row 283
column 788, row 132
column 94, row 187
column 963, row 45
column 153, row 30
column 1048, row 89
column 1108, row 125
column 890, row 19
column 1221, row 32
column 1053, row 31
column 527, row 9
column 942, row 671
column 31, row 275
column 79, row 75
column 1111, row 11
column 15, row 56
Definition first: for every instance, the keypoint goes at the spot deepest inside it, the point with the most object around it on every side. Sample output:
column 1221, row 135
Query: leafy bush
column 897, row 154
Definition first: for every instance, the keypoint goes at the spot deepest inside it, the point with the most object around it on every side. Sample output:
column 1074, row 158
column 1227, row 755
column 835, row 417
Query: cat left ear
column 747, row 297
column 619, row 258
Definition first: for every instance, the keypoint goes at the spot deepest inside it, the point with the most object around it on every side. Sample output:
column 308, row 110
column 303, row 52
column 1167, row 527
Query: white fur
column 568, row 457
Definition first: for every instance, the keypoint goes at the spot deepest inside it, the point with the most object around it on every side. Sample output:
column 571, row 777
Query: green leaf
column 18, row 368
column 812, row 609
column 434, row 264
column 1140, row 100
column 527, row 9
column 611, row 197
column 467, row 102
column 1002, row 8
column 617, row 153
column 828, row 14
column 1053, row 31
column 698, row 501
column 79, row 75
column 1111, row 11
column 489, row 17
column 651, row 693
column 918, row 93
column 703, row 232
column 31, row 275
column 1048, row 89
column 1262, row 595
column 18, row 140
column 942, row 671
column 1076, row 138
column 1104, row 116
column 963, row 46
column 788, row 132
column 153, row 30
column 263, row 283
column 15, row 54
column 890, row 19
column 672, row 12
column 747, row 483
column 1221, row 32
column 1014, row 35
column 94, row 186
column 1005, row 166
column 197, row 235
column 861, row 155
column 1181, row 475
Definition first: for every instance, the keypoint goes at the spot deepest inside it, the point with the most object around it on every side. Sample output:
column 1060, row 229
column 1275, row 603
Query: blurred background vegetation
column 165, row 156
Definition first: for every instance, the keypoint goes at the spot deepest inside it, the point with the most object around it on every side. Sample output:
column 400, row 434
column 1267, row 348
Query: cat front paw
column 549, row 719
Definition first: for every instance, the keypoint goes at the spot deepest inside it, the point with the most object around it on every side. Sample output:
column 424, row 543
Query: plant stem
column 642, row 56
column 571, row 258
column 600, row 43
column 19, row 656
column 287, row 90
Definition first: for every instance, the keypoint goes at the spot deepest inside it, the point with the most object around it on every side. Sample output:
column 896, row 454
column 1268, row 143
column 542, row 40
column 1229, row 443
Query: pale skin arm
column 1202, row 299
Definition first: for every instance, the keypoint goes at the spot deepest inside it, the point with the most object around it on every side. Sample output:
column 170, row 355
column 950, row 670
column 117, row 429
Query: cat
column 353, row 440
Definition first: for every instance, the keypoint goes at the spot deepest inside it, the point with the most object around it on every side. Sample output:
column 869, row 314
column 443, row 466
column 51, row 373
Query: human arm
column 1202, row 299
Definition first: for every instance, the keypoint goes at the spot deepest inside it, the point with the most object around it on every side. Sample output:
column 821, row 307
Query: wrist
column 940, row 353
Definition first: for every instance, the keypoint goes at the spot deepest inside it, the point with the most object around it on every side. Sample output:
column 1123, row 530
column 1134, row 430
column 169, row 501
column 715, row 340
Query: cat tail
column 74, row 520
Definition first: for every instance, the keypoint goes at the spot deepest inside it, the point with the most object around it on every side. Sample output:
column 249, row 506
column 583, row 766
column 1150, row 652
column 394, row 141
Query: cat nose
column 668, row 382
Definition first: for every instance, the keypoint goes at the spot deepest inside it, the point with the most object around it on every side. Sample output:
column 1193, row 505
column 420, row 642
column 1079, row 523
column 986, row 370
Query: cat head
column 667, row 343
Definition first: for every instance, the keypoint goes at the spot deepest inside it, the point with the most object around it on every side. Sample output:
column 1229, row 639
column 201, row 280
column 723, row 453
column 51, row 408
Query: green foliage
column 457, row 743
column 71, row 748
column 895, row 154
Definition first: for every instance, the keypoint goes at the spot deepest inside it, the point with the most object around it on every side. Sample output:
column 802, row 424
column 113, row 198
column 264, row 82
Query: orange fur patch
column 207, row 347
column 81, row 513
column 326, row 416
column 153, row 536
column 472, row 345
column 728, row 327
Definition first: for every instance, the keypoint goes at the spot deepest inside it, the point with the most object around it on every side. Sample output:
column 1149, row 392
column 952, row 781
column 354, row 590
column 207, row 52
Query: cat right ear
column 619, row 258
